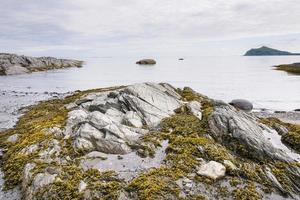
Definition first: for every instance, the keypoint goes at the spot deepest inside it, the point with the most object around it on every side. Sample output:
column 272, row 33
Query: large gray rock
column 110, row 122
column 242, row 104
column 12, row 64
column 229, row 126
column 243, row 133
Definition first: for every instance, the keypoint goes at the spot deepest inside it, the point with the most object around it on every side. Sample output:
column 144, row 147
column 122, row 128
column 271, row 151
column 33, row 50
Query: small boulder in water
column 146, row 62
column 242, row 104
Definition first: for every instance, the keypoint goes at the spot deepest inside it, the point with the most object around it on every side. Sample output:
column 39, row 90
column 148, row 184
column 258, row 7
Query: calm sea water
column 224, row 78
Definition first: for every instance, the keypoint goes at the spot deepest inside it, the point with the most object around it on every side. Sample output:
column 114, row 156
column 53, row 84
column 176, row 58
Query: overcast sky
column 149, row 27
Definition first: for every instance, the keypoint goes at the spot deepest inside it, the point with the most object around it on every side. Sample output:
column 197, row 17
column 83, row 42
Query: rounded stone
column 242, row 104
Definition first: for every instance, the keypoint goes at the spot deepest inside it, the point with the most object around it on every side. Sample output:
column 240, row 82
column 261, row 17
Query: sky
column 147, row 27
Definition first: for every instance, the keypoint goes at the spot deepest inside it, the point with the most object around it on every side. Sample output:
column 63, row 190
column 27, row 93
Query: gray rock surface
column 229, row 125
column 110, row 122
column 242, row 104
column 12, row 64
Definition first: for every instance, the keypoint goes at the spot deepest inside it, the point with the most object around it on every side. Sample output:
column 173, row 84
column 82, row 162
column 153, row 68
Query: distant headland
column 266, row 51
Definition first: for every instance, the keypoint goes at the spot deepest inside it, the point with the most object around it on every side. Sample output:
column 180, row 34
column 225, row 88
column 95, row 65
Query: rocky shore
column 12, row 64
column 149, row 141
column 289, row 68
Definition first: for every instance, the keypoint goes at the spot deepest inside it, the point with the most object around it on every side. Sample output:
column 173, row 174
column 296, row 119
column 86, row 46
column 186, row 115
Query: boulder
column 13, row 138
column 146, row 62
column 242, row 104
column 233, row 127
column 212, row 169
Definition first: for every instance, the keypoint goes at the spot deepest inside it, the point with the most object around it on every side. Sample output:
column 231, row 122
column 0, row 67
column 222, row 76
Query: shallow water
column 129, row 165
column 225, row 78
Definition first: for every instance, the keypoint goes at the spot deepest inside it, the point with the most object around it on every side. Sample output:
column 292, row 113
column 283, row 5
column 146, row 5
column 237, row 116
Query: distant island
column 266, row 51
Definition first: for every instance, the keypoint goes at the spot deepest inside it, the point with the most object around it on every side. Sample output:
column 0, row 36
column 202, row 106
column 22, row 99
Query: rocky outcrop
column 147, row 141
column 146, row 62
column 231, row 126
column 11, row 64
column 289, row 68
column 111, row 121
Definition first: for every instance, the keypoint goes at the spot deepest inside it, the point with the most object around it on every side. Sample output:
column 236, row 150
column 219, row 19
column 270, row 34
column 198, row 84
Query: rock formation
column 148, row 141
column 11, row 64
column 146, row 62
column 289, row 68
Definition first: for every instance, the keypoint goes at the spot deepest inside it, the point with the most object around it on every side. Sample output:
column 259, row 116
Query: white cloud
column 113, row 23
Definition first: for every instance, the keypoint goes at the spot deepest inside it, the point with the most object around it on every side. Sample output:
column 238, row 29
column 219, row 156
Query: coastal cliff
column 149, row 141
column 12, row 64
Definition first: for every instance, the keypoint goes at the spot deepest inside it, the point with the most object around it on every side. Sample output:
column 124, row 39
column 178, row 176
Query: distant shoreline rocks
column 289, row 68
column 12, row 64
column 146, row 62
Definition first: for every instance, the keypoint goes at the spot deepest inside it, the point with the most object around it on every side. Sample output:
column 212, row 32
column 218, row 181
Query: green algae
column 291, row 68
column 248, row 192
column 100, row 185
column 156, row 184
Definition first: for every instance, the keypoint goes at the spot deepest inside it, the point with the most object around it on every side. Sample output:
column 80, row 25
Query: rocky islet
column 12, row 64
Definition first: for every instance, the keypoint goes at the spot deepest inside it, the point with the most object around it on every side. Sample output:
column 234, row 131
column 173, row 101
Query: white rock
column 229, row 165
column 75, row 117
column 13, row 138
column 82, row 186
column 132, row 119
column 30, row 149
column 212, row 169
column 96, row 154
column 195, row 108
column 27, row 173
column 43, row 179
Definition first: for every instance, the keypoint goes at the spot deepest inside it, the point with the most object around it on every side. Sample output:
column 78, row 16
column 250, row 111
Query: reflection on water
column 223, row 78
